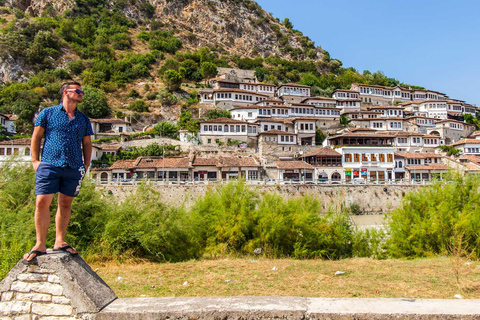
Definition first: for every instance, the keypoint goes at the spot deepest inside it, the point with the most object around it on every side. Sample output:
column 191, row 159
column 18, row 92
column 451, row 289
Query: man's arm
column 38, row 132
column 87, row 151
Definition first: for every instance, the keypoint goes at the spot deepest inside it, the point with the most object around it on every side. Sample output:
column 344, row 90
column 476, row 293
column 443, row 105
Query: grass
column 432, row 278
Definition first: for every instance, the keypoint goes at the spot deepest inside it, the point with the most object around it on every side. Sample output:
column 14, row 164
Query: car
column 359, row 181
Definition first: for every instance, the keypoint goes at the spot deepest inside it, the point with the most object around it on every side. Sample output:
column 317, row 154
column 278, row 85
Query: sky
column 430, row 43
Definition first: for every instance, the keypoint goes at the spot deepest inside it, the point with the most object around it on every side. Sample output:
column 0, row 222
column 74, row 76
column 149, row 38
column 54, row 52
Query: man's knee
column 65, row 202
column 44, row 201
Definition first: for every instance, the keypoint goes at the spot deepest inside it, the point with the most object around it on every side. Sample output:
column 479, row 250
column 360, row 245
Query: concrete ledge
column 288, row 308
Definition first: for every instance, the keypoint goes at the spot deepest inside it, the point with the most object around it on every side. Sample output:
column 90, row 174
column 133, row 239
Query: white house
column 20, row 148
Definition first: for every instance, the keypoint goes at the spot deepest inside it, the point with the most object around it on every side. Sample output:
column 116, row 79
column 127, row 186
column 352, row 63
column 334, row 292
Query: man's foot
column 65, row 247
column 31, row 257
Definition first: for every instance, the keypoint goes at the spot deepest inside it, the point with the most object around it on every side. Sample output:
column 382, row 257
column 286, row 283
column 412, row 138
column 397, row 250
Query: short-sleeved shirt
column 63, row 136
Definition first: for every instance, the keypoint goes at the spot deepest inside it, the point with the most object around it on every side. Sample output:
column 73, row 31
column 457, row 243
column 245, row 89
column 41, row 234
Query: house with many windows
column 419, row 166
column 110, row 127
column 294, row 171
column 227, row 98
column 366, row 154
column 327, row 163
column 19, row 148
column 451, row 131
column 222, row 130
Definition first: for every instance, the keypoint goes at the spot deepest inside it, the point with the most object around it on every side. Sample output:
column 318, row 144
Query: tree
column 166, row 129
column 94, row 103
column 260, row 73
column 208, row 70
column 218, row 113
column 468, row 118
column 287, row 23
column 173, row 80
column 343, row 121
column 319, row 137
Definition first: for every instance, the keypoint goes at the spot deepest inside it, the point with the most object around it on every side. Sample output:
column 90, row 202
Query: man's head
column 72, row 91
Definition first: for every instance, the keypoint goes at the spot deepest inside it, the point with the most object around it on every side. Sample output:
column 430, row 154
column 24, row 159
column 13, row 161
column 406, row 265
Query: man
column 67, row 137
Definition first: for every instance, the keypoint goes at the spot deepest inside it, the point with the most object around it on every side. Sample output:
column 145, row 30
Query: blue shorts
column 50, row 179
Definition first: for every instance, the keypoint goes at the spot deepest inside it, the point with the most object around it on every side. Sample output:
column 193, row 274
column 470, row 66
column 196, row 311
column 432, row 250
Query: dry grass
column 366, row 278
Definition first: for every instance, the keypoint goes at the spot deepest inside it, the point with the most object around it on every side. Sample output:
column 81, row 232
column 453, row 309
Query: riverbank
column 431, row 278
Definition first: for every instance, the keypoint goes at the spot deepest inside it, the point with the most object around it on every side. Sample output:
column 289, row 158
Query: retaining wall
column 370, row 198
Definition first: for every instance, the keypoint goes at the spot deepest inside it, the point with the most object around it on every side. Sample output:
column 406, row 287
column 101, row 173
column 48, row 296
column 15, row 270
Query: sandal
column 34, row 259
column 65, row 249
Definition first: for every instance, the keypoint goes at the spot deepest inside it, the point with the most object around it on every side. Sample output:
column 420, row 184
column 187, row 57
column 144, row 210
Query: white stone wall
column 36, row 294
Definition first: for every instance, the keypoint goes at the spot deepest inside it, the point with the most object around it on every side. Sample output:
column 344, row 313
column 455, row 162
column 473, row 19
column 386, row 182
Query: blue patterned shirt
column 63, row 136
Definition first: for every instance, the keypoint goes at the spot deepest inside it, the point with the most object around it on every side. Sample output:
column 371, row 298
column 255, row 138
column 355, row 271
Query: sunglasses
column 77, row 91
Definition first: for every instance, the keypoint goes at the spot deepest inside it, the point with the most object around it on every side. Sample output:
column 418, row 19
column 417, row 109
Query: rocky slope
column 239, row 27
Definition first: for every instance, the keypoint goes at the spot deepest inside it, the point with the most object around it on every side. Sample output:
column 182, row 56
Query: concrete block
column 36, row 297
column 14, row 307
column 292, row 308
column 70, row 279
column 61, row 300
column 6, row 296
column 32, row 277
column 21, row 286
column 46, row 287
column 51, row 309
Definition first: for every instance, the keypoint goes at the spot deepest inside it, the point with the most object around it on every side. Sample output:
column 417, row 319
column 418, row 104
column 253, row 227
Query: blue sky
column 430, row 43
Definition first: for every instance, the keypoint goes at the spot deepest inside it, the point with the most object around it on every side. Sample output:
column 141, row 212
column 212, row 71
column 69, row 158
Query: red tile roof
column 466, row 141
column 212, row 162
column 123, row 164
column 418, row 155
column 21, row 142
column 237, row 162
column 325, row 151
column 293, row 165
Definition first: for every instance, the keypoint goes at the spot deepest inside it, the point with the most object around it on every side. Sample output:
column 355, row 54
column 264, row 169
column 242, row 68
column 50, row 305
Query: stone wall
column 370, row 198
column 36, row 292
column 57, row 286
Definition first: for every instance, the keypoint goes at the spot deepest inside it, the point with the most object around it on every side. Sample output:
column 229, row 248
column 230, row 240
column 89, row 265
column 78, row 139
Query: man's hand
column 35, row 164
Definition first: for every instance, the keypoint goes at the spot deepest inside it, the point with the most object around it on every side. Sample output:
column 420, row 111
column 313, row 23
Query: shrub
column 144, row 227
column 138, row 106
column 172, row 79
column 431, row 219
column 94, row 103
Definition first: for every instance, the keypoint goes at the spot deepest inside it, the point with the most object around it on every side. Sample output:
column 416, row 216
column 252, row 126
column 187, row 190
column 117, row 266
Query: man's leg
column 62, row 219
column 42, row 221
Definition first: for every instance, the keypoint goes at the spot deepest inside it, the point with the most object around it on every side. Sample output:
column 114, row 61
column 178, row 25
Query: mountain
column 149, row 57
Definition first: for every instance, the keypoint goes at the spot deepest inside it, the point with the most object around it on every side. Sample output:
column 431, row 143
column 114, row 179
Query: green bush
column 94, row 103
column 138, row 106
column 143, row 227
column 431, row 220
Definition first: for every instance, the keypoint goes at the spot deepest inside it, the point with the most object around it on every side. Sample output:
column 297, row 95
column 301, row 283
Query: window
column 205, row 128
column 2, row 151
column 249, row 114
column 252, row 175
column 226, row 128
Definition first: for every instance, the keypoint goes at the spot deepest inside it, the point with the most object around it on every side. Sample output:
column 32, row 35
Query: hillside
column 149, row 58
